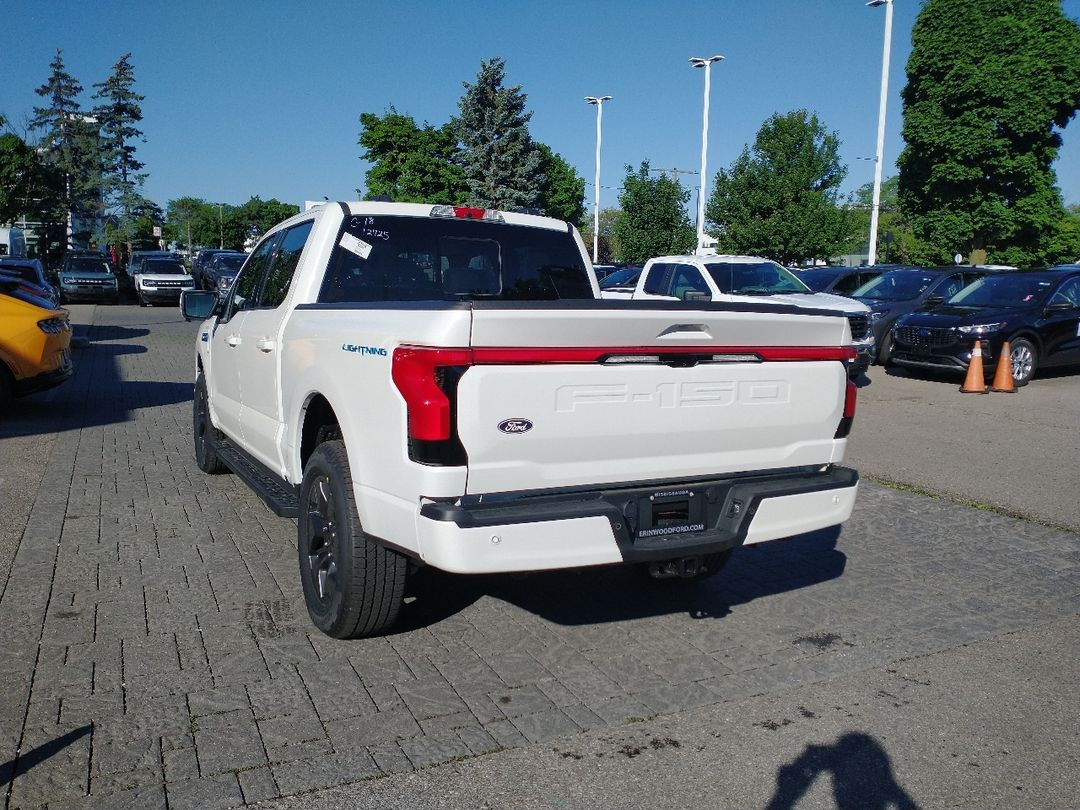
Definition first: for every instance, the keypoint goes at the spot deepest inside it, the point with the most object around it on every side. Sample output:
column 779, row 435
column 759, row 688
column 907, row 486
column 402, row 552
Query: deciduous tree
column 411, row 163
column 990, row 84
column 779, row 198
column 653, row 220
column 563, row 192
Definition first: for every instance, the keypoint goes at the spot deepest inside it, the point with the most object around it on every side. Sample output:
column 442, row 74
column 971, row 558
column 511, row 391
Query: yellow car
column 35, row 341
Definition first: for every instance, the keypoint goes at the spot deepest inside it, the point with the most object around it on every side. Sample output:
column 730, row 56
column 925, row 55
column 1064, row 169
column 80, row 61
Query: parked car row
column 1036, row 312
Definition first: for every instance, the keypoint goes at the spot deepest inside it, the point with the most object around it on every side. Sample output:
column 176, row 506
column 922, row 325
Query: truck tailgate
column 562, row 398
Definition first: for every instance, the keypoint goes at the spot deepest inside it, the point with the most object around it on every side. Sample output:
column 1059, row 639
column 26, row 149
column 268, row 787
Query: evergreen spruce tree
column 117, row 116
column 69, row 141
column 502, row 164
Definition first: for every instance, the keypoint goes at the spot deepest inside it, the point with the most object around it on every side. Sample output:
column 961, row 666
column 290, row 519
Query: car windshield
column 229, row 264
column 756, row 278
column 626, row 277
column 896, row 285
column 1007, row 290
column 87, row 265
column 162, row 267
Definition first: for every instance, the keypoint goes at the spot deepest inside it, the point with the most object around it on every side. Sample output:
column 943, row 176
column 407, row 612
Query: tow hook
column 685, row 567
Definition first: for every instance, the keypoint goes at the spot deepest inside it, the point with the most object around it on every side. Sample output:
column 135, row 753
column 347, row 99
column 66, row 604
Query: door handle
column 264, row 345
column 232, row 340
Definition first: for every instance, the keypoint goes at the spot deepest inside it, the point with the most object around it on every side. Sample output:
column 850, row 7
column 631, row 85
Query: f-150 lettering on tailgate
column 699, row 394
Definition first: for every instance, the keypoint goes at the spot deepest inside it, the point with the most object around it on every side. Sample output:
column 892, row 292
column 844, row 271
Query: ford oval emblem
column 515, row 426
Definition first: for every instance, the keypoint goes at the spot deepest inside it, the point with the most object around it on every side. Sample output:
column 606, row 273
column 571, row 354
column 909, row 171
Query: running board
column 276, row 492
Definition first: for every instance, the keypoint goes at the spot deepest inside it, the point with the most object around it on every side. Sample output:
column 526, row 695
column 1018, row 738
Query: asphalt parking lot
column 158, row 653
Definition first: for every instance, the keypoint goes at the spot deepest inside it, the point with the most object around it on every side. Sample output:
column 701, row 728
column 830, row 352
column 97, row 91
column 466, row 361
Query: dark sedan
column 901, row 290
column 1038, row 313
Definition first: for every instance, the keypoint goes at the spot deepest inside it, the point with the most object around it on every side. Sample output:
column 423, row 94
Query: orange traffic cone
column 1003, row 378
column 974, row 382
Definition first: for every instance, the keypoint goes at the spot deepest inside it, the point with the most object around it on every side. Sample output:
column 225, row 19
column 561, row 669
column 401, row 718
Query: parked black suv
column 904, row 289
column 1037, row 312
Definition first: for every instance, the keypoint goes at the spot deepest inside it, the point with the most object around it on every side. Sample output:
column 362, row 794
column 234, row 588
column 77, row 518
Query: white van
column 12, row 243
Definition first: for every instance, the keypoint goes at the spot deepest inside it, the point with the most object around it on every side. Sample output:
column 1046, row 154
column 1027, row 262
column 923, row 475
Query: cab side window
column 245, row 290
column 281, row 272
column 655, row 284
column 688, row 279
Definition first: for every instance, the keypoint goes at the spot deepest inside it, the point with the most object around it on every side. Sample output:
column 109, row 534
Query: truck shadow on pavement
column 619, row 593
column 861, row 771
column 97, row 394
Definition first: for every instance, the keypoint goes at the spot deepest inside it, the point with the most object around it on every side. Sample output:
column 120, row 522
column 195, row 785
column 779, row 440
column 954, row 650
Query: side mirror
column 1060, row 306
column 934, row 300
column 198, row 305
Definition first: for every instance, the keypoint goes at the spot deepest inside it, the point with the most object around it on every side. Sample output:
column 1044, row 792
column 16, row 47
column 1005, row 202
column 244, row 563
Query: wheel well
column 1031, row 336
column 320, row 422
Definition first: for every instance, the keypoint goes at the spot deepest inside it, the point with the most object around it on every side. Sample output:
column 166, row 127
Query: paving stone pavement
column 157, row 652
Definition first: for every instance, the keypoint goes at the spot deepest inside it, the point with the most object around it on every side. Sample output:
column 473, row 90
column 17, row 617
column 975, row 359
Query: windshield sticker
column 354, row 245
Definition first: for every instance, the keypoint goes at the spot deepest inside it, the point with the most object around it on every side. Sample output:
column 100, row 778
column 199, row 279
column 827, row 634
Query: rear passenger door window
column 656, row 283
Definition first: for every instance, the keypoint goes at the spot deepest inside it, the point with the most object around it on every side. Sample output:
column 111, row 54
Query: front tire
column 1024, row 358
column 203, row 431
column 885, row 350
column 353, row 586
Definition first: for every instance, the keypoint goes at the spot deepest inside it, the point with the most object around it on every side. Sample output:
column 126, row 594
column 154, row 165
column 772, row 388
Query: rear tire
column 353, row 586
column 203, row 431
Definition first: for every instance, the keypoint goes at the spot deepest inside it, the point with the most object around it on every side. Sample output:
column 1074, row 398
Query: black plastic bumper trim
column 729, row 507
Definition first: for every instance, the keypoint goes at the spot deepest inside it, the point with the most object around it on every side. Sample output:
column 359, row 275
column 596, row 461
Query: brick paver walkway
column 157, row 653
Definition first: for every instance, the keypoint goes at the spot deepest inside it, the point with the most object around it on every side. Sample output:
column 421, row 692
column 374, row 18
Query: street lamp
column 221, row 226
column 599, row 102
column 702, row 62
column 876, row 205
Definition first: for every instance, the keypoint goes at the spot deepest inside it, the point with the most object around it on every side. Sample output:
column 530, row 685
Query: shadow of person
column 861, row 773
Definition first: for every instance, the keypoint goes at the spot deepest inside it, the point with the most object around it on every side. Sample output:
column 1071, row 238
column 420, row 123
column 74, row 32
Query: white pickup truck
column 714, row 277
column 428, row 385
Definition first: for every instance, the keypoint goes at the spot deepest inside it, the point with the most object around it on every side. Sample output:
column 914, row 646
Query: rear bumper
column 45, row 381
column 528, row 532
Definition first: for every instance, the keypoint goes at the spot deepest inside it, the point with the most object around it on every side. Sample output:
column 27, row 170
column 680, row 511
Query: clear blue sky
column 263, row 98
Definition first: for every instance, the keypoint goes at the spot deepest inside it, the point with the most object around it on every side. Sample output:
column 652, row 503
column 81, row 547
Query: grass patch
column 960, row 501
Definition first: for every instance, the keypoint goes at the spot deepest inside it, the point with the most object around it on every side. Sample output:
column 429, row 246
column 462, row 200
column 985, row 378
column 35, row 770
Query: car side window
column 654, row 283
column 688, row 279
column 1069, row 293
column 245, row 291
column 287, row 258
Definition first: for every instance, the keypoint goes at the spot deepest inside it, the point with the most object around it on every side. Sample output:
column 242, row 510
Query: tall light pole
column 221, row 226
column 876, row 205
column 703, row 62
column 599, row 102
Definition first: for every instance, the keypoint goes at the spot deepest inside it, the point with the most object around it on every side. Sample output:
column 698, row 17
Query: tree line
column 991, row 84
column 77, row 166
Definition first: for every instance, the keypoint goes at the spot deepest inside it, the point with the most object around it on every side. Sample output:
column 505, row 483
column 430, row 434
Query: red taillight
column 415, row 372
column 849, row 400
column 844, row 428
